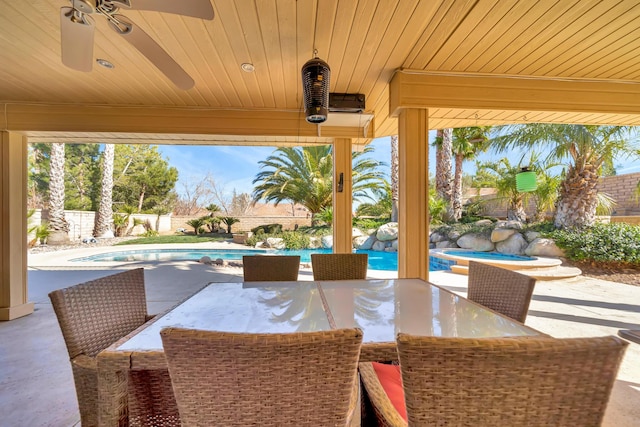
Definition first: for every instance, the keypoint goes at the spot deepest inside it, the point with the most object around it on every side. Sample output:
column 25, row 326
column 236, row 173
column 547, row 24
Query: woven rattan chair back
column 501, row 290
column 297, row 379
column 258, row 268
column 92, row 316
column 339, row 266
column 512, row 382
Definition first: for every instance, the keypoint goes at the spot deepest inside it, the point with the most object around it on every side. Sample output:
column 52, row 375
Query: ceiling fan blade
column 154, row 53
column 76, row 37
column 197, row 8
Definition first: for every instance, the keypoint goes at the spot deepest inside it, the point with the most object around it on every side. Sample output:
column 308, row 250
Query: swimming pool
column 387, row 261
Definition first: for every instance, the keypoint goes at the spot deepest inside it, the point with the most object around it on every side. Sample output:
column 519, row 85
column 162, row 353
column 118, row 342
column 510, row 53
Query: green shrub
column 296, row 240
column 267, row 229
column 369, row 223
column 617, row 242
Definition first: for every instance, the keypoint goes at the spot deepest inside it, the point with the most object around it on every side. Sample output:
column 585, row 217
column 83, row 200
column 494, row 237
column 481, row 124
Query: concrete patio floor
column 36, row 383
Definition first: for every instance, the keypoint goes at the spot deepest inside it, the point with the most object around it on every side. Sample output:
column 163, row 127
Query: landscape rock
column 364, row 242
column 476, row 241
column 543, row 247
column 500, row 234
column 454, row 235
column 446, row 244
column 275, row 242
column 514, row 245
column 315, row 243
column 327, row 242
column 205, row 260
column 355, row 232
column 531, row 235
column 437, row 237
column 388, row 231
column 378, row 246
column 484, row 222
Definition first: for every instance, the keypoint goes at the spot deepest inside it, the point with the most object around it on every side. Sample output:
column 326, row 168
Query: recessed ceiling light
column 248, row 67
column 105, row 63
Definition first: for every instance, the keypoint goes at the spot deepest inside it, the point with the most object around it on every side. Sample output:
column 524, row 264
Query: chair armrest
column 149, row 317
column 84, row 361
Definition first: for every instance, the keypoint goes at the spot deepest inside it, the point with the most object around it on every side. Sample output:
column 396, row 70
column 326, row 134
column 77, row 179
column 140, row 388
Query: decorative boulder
column 531, row 235
column 275, row 243
column 388, row 231
column 315, row 243
column 514, row 245
column 390, row 249
column 394, row 245
column 454, row 235
column 355, row 232
column 484, row 222
column 516, row 225
column 543, row 247
column 446, row 244
column 500, row 234
column 327, row 242
column 364, row 242
column 378, row 246
column 476, row 241
column 437, row 237
column 205, row 260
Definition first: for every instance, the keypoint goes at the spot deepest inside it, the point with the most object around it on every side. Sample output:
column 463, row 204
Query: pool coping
column 538, row 262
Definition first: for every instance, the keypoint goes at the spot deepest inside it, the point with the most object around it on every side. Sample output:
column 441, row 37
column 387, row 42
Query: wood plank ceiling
column 364, row 42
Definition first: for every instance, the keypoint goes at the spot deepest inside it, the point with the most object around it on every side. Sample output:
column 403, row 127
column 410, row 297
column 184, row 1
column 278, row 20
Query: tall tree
column 444, row 151
column 104, row 216
column 587, row 148
column 57, row 223
column 82, row 171
column 395, row 170
column 142, row 178
column 466, row 144
column 304, row 175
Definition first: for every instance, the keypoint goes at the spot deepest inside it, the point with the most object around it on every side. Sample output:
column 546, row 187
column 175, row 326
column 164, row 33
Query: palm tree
column 304, row 175
column 587, row 147
column 57, row 222
column 443, row 144
column 104, row 216
column 466, row 143
column 505, row 174
column 395, row 170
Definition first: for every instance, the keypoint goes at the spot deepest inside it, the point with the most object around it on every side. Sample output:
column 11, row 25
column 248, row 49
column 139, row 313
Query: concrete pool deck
column 36, row 384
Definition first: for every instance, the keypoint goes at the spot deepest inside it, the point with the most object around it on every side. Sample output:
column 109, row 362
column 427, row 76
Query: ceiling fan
column 77, row 29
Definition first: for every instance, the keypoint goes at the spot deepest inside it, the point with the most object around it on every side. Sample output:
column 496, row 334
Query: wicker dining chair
column 258, row 268
column 497, row 381
column 339, row 266
column 92, row 316
column 231, row 379
column 501, row 290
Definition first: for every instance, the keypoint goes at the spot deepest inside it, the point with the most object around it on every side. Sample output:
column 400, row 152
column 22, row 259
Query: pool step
column 543, row 273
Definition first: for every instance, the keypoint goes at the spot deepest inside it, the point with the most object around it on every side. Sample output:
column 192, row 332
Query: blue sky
column 235, row 167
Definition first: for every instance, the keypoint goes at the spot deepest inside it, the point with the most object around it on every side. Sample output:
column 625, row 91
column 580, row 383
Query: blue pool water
column 377, row 260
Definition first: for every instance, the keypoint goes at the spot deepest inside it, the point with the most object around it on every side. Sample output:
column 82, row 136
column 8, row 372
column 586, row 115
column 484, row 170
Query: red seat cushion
column 391, row 381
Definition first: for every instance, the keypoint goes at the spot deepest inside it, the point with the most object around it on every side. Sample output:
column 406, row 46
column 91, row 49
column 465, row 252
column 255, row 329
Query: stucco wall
column 81, row 223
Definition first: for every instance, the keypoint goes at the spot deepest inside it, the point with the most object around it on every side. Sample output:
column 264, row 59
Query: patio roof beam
column 421, row 89
column 23, row 117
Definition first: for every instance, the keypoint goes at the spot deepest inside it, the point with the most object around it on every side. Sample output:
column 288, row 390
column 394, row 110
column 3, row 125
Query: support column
column 13, row 227
column 413, row 220
column 342, row 196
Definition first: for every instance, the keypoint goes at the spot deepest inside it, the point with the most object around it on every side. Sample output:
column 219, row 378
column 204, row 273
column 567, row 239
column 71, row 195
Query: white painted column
column 413, row 218
column 13, row 227
column 342, row 196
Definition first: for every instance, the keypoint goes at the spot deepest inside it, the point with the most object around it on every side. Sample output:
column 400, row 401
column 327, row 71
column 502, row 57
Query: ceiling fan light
column 526, row 181
column 247, row 67
column 315, row 87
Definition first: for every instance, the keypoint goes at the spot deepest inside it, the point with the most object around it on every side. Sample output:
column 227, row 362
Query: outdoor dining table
column 381, row 308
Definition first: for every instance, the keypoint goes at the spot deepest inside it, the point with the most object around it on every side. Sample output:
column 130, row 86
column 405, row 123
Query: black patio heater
column 315, row 87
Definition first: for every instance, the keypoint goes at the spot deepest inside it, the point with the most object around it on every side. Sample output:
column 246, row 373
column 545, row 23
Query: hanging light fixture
column 315, row 87
column 526, row 180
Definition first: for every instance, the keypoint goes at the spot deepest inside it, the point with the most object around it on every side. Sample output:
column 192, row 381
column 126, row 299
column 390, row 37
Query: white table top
column 267, row 307
column 381, row 308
